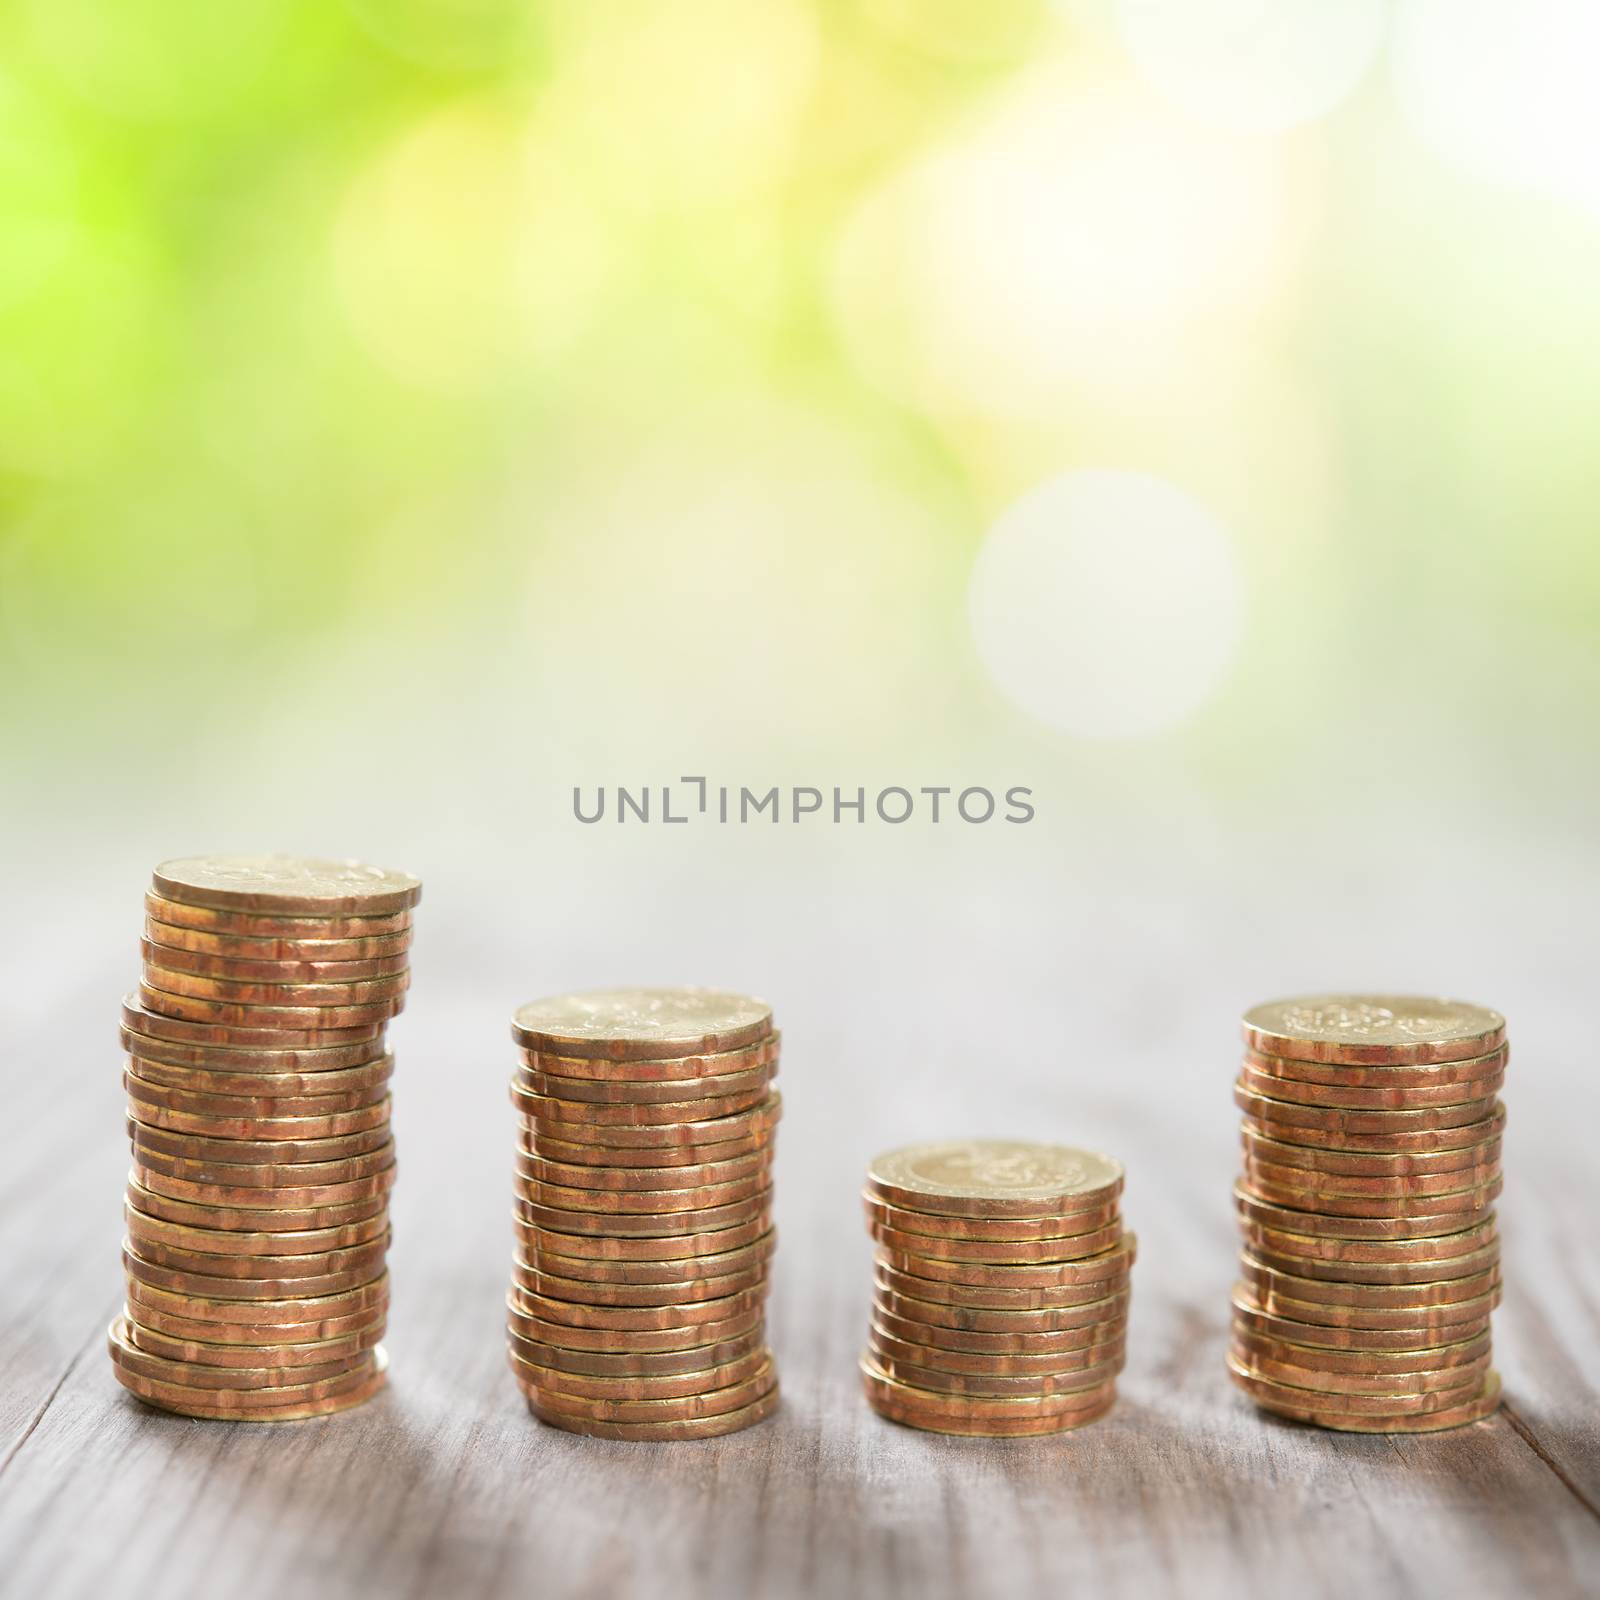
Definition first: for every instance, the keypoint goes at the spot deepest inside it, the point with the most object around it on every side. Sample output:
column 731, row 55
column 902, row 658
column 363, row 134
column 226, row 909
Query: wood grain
column 446, row 1485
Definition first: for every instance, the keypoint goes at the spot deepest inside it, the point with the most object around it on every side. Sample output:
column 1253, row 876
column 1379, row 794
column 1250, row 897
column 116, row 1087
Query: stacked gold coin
column 258, row 1106
column 1371, row 1260
column 1001, row 1303
column 643, row 1212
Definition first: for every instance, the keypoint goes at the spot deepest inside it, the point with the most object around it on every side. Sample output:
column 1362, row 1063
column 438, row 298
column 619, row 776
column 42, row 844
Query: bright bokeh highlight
column 1106, row 604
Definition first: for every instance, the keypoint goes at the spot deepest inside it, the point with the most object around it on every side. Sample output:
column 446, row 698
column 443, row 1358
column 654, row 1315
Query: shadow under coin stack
column 1001, row 1297
column 1371, row 1260
column 643, row 1212
column 258, row 1107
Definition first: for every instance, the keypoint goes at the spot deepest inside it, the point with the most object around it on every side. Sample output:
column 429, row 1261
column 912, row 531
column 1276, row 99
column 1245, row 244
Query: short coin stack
column 1371, row 1260
column 643, row 1212
column 1001, row 1303
column 258, row 1108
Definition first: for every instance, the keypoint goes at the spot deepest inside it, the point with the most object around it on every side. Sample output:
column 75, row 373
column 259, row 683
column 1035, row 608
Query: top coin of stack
column 1001, row 1298
column 643, row 1212
column 1371, row 1260
column 258, row 1108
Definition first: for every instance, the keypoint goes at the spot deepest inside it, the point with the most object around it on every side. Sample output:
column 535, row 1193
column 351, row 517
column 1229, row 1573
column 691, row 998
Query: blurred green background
column 411, row 408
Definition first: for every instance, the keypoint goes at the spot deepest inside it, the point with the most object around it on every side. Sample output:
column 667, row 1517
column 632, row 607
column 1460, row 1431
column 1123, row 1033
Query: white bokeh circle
column 1106, row 604
column 1253, row 65
column 1506, row 90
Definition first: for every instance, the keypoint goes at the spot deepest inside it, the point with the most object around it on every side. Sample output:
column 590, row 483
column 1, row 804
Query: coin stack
column 258, row 1107
column 643, row 1212
column 1001, row 1296
column 1371, row 1261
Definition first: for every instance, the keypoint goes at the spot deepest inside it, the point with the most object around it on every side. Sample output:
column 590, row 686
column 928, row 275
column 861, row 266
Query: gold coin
column 1248, row 1313
column 1422, row 1141
column 312, row 1353
column 262, row 925
column 584, row 1119
column 629, row 1180
column 254, row 1242
column 179, row 1090
column 635, row 1341
column 642, row 1319
column 970, row 1299
column 991, row 1385
column 1374, row 1252
column 280, row 972
column 237, row 947
column 1426, row 1210
column 1361, row 1163
column 1435, row 1318
column 1420, row 1270
column 649, row 1225
column 939, row 1225
column 642, row 1024
column 150, row 1364
column 628, row 1363
column 274, row 1156
column 1280, row 1401
column 263, row 1196
column 537, row 1281
column 661, row 1432
column 242, row 1020
column 541, row 1128
column 669, row 1069
column 684, row 1408
column 1106, row 1329
column 995, row 1178
column 1367, row 1098
column 251, row 1060
column 1316, row 1404
column 894, row 1297
column 199, row 1403
column 1410, row 1295
column 365, row 1258
column 1380, row 1124
column 313, row 1309
column 1455, row 1383
column 664, row 1274
column 1293, row 1219
column 1354, row 1186
column 291, row 886
column 333, row 1045
column 603, row 1159
column 367, row 1325
column 538, row 1240
column 990, row 1252
column 318, row 995
column 197, row 1286
column 160, row 1113
column 1373, row 1029
column 658, row 1202
column 1363, row 1363
column 254, row 1219
column 1110, row 1263
column 531, row 1087
column 552, row 1382
column 997, row 1417
column 887, row 1347
column 1429, row 1074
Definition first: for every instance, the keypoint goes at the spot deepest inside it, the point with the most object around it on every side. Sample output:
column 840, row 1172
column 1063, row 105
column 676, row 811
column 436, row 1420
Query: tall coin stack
column 643, row 1212
column 1001, row 1297
column 258, row 1107
column 1371, row 1261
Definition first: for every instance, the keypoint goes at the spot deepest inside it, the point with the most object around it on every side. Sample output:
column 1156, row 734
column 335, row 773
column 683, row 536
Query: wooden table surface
column 445, row 1485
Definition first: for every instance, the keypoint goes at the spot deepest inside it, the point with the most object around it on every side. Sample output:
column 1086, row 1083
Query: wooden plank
column 446, row 1484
